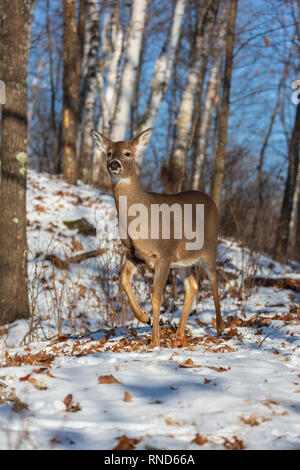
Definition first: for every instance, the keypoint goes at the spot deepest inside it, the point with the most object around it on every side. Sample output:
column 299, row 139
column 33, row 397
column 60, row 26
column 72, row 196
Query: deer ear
column 142, row 140
column 101, row 141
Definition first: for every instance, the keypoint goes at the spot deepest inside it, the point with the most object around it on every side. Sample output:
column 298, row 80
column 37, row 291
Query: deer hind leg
column 126, row 276
column 160, row 278
column 190, row 286
column 213, row 278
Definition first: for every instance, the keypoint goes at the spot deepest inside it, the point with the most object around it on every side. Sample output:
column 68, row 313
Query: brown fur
column 161, row 254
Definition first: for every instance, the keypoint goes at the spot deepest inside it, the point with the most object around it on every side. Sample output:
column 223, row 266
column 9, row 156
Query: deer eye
column 127, row 154
column 108, row 154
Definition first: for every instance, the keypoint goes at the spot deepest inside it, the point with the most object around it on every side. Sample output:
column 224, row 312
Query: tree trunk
column 70, row 93
column 14, row 46
column 209, row 106
column 282, row 236
column 112, row 46
column 218, row 175
column 295, row 220
column 206, row 20
column 163, row 69
column 113, row 74
column 90, row 91
column 132, row 55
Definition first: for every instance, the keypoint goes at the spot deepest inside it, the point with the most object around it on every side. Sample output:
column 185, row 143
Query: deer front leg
column 126, row 276
column 160, row 278
column 190, row 286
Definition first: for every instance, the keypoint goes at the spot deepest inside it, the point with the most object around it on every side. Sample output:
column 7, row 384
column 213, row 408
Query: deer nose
column 114, row 165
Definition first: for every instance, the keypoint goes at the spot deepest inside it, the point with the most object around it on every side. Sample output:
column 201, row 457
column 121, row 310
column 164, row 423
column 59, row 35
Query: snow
column 243, row 387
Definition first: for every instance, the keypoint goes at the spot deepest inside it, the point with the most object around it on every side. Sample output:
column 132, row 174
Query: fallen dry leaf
column 199, row 439
column 126, row 443
column 127, row 397
column 70, row 406
column 25, row 378
column 234, row 444
column 108, row 379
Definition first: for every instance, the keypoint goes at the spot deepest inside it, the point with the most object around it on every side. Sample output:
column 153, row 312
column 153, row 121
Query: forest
column 218, row 81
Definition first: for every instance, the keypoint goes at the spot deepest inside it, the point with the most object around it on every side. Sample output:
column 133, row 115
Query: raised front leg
column 126, row 276
column 190, row 286
column 160, row 278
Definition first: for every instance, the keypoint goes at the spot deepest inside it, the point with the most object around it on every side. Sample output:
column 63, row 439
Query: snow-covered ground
column 80, row 374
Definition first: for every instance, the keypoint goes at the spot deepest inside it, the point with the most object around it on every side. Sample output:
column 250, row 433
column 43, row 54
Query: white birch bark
column 132, row 55
column 185, row 115
column 209, row 106
column 109, row 98
column 163, row 68
column 90, row 88
column 112, row 47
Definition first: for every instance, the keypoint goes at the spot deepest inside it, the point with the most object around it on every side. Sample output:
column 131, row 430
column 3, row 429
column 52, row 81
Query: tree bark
column 90, row 91
column 132, row 55
column 206, row 20
column 14, row 46
column 113, row 73
column 218, row 175
column 209, row 106
column 70, row 93
column 282, row 236
column 295, row 220
column 112, row 47
column 163, row 69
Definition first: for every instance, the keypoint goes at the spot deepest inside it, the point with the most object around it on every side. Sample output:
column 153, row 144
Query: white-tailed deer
column 161, row 246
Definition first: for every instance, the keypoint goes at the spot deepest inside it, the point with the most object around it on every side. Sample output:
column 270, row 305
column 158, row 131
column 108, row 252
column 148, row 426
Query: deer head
column 121, row 155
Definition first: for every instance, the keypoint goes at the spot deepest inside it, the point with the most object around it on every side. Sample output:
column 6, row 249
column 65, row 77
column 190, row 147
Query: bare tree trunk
column 70, row 93
column 112, row 46
column 282, row 236
column 163, row 69
column 52, row 87
column 209, row 106
column 206, row 20
column 90, row 91
column 218, row 175
column 132, row 55
column 113, row 74
column 295, row 222
column 14, row 46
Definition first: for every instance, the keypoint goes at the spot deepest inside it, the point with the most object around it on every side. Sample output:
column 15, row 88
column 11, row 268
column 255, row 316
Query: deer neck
column 129, row 187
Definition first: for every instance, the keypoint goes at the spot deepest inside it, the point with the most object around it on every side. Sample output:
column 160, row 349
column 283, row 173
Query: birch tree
column 112, row 47
column 163, row 68
column 206, row 20
column 90, row 90
column 132, row 55
column 218, row 174
column 109, row 98
column 14, row 46
column 209, row 106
